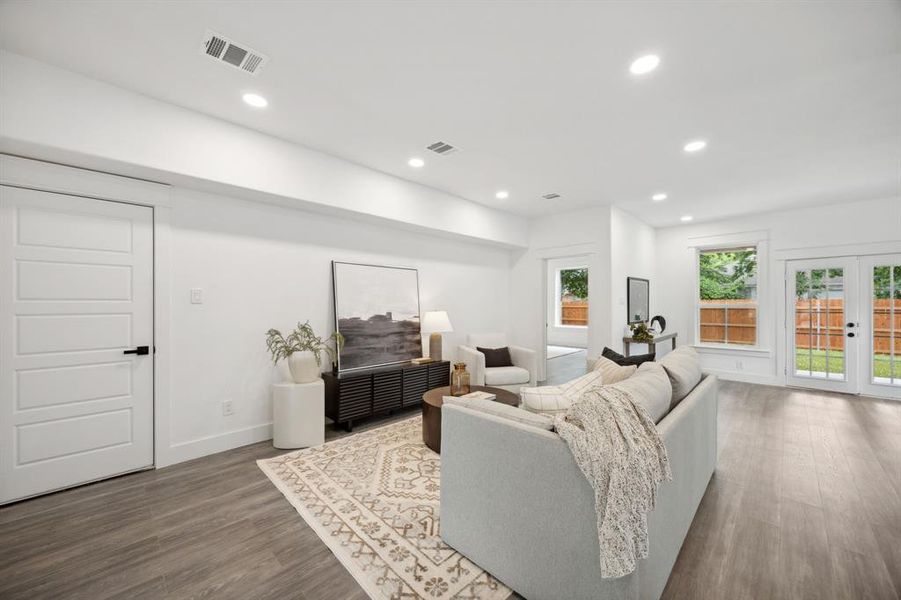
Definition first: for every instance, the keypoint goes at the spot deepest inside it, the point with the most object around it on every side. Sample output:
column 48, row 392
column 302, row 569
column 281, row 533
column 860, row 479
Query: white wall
column 584, row 232
column 563, row 335
column 61, row 116
column 833, row 230
column 632, row 247
column 263, row 266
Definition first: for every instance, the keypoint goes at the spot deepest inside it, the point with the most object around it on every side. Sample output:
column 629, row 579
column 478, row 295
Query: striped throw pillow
column 556, row 399
column 613, row 373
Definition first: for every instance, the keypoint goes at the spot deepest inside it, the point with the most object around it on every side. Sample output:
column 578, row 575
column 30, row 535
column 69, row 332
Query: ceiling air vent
column 233, row 54
column 551, row 196
column 442, row 148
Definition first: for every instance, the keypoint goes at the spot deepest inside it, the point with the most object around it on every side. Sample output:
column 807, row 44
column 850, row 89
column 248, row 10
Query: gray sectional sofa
column 514, row 501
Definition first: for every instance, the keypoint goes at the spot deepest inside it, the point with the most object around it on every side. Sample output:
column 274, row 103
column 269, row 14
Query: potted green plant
column 303, row 350
column 640, row 333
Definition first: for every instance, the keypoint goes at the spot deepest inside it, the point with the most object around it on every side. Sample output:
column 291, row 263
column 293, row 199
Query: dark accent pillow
column 496, row 357
column 631, row 360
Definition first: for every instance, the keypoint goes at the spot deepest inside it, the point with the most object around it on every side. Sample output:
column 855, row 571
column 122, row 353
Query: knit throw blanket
column 617, row 447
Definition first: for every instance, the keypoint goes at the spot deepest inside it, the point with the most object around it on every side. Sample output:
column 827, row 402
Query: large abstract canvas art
column 377, row 312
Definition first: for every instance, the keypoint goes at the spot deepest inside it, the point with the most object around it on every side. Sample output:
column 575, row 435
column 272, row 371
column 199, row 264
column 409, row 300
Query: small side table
column 652, row 345
column 298, row 414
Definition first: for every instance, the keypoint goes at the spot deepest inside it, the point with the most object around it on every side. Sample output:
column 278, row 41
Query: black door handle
column 850, row 325
column 851, row 334
column 140, row 351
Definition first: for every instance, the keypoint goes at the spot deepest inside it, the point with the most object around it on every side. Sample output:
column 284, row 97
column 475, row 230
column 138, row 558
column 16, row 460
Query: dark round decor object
column 659, row 319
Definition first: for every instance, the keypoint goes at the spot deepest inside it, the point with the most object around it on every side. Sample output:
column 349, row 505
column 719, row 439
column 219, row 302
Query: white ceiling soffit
column 798, row 100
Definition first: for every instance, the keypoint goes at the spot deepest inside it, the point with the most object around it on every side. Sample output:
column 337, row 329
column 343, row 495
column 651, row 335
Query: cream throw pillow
column 683, row 366
column 612, row 372
column 556, row 399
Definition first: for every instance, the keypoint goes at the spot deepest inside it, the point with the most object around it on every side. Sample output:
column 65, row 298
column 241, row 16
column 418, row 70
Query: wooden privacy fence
column 820, row 325
column 574, row 312
column 728, row 322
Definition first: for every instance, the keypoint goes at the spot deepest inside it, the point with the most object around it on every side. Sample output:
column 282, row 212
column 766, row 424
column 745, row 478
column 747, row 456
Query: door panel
column 880, row 363
column 823, row 324
column 53, row 226
column 42, row 334
column 37, row 388
column 72, row 281
column 76, row 290
column 73, row 435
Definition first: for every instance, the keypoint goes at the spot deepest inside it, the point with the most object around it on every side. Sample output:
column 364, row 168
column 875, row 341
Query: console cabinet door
column 416, row 383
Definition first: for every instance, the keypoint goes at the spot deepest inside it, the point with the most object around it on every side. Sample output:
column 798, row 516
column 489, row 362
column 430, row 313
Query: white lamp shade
column 436, row 321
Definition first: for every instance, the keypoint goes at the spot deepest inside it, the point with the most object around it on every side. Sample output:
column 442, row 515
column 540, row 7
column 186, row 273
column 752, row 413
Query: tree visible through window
column 573, row 286
column 727, row 307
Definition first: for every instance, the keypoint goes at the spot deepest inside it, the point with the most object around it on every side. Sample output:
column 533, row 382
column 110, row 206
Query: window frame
column 760, row 251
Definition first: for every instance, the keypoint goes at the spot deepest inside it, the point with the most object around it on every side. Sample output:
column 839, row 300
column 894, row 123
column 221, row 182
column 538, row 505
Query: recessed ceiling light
column 255, row 100
column 416, row 162
column 695, row 146
column 644, row 64
column 686, row 218
column 658, row 197
column 502, row 195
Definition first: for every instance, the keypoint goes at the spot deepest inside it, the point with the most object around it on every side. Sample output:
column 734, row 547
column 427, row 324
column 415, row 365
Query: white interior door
column 823, row 325
column 880, row 357
column 76, row 294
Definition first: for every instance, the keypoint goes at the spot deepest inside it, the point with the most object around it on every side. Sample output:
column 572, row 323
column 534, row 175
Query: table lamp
column 435, row 322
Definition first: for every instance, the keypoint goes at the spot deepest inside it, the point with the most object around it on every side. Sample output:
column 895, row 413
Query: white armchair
column 523, row 373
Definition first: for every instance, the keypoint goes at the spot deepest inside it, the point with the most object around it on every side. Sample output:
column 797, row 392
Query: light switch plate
column 196, row 296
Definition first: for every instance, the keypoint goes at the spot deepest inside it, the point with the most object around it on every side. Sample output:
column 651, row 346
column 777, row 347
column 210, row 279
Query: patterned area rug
column 373, row 498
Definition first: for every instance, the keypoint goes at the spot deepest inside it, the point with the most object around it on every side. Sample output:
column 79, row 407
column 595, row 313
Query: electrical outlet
column 228, row 408
column 196, row 295
column 738, row 365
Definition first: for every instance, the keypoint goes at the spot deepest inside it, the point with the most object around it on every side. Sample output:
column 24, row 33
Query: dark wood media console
column 354, row 395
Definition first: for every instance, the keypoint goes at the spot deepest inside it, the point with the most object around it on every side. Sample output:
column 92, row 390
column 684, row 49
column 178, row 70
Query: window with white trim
column 727, row 307
column 572, row 297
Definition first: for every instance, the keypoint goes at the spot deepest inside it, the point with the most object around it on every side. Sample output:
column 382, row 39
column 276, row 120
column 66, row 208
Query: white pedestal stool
column 298, row 414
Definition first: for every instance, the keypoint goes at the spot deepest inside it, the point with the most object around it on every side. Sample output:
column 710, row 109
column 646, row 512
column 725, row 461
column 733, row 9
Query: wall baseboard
column 746, row 377
column 213, row 444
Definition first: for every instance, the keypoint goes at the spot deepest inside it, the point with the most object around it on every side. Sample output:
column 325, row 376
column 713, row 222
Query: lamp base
column 435, row 346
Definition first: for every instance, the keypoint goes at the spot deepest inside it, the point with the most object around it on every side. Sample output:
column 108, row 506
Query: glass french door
column 844, row 324
column 880, row 364
column 823, row 325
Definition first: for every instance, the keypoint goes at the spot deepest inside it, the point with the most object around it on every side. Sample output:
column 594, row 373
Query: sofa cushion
column 502, row 410
column 627, row 360
column 613, row 372
column 496, row 357
column 650, row 388
column 554, row 399
column 683, row 366
column 506, row 376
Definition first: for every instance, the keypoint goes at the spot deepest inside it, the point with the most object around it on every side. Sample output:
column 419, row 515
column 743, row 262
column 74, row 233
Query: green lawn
column 881, row 366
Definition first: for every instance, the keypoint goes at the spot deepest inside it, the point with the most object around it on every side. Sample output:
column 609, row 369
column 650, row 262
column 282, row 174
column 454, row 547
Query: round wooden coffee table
column 431, row 410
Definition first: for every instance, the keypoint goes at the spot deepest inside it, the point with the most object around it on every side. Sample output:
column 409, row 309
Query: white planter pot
column 303, row 367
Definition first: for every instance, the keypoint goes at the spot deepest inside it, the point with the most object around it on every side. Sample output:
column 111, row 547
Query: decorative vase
column 303, row 367
column 459, row 380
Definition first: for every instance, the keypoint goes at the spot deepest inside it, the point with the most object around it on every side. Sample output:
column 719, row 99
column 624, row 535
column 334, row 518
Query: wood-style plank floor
column 806, row 502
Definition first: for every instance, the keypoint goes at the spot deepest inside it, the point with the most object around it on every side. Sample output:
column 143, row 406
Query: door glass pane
column 886, row 325
column 803, row 330
column 820, row 324
column 834, row 324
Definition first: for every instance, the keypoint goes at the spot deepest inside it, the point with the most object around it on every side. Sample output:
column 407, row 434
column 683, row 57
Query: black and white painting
column 638, row 299
column 377, row 312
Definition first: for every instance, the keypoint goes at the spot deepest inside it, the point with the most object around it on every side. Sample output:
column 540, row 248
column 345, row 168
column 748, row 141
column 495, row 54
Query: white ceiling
column 800, row 102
